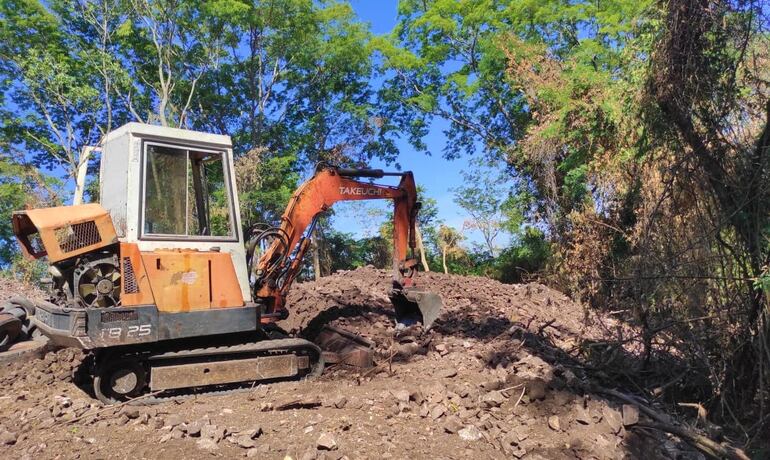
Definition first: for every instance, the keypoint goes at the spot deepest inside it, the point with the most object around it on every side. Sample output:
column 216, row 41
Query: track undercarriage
column 178, row 369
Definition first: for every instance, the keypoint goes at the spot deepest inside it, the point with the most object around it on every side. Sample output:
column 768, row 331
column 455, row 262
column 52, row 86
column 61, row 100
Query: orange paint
column 65, row 231
column 144, row 295
column 318, row 194
column 225, row 289
column 182, row 281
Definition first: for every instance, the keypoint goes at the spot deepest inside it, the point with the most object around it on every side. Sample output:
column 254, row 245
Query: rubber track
column 270, row 347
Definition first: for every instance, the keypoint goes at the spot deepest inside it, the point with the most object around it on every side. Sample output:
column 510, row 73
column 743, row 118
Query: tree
column 168, row 46
column 426, row 222
column 484, row 198
column 53, row 103
column 449, row 242
column 294, row 87
column 711, row 105
column 455, row 60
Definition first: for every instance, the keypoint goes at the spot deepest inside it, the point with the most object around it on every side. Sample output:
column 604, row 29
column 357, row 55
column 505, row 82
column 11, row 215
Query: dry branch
column 704, row 444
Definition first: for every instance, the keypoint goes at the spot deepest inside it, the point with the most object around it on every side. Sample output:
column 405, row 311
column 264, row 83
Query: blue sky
column 432, row 172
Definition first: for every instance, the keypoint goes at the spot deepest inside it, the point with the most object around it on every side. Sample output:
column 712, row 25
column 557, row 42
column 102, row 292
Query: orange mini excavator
column 160, row 284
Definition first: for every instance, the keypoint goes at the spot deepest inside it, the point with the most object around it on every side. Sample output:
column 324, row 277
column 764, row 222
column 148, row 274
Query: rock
column 243, row 441
column 519, row 453
column 7, row 438
column 407, row 350
column 157, row 423
column 630, row 415
column 260, row 451
column 130, row 412
column 470, row 433
column 177, row 433
column 521, row 433
column 553, row 422
column 493, row 399
column 212, row 432
column 613, row 418
column 326, row 442
column 452, row 424
column 401, row 395
column 207, row 444
column 174, row 420
column 194, row 429
column 253, row 433
column 536, row 389
column 447, row 373
column 340, row 402
column 582, row 415
column 437, row 411
column 309, row 454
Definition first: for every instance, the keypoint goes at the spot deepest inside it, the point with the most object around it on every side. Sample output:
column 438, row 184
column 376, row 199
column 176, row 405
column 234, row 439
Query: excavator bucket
column 413, row 305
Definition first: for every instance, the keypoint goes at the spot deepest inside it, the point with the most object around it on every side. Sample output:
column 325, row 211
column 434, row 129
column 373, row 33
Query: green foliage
column 528, row 256
column 484, row 197
column 52, row 105
column 289, row 80
column 12, row 196
column 540, row 85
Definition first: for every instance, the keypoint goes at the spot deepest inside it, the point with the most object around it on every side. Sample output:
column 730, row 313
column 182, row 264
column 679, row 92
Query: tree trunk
column 443, row 259
column 80, row 175
column 421, row 247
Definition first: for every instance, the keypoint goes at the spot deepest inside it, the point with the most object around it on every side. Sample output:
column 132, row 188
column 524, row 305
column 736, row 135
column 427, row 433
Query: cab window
column 186, row 193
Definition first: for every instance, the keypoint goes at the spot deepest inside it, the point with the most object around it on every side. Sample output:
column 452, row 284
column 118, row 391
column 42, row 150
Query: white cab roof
column 162, row 131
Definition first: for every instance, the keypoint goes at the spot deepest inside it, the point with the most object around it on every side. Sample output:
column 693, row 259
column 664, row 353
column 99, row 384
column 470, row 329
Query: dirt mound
column 494, row 378
column 474, row 308
column 10, row 288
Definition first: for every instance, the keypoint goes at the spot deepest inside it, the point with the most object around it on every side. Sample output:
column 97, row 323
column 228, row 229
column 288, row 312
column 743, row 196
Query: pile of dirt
column 10, row 287
column 494, row 378
column 475, row 308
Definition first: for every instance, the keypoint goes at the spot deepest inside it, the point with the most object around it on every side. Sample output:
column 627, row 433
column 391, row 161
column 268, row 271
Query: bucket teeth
column 414, row 305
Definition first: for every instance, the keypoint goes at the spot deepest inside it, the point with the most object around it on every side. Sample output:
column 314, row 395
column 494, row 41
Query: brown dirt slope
column 495, row 378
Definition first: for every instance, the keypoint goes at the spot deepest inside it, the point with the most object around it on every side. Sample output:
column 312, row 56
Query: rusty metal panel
column 188, row 280
column 341, row 346
column 225, row 288
column 64, row 231
column 179, row 279
column 223, row 372
column 135, row 287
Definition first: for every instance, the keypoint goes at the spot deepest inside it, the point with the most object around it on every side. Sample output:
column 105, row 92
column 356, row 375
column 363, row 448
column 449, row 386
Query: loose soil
column 498, row 376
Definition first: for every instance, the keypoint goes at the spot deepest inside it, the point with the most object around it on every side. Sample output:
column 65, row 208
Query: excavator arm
column 273, row 271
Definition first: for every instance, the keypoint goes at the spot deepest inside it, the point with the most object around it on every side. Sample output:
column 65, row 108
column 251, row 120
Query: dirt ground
column 498, row 376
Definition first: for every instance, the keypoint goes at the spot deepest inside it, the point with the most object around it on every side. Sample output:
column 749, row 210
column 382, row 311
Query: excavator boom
column 274, row 270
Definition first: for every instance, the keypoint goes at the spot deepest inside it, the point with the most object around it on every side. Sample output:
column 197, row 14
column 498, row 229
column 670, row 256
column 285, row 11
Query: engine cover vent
column 77, row 236
column 129, row 277
column 115, row 316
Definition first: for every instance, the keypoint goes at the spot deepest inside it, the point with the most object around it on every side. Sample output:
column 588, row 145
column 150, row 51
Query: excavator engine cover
column 414, row 305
